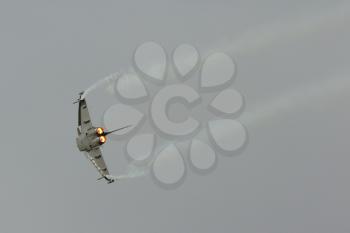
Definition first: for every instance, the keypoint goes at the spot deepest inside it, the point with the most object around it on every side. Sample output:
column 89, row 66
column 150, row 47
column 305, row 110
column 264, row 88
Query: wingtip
column 81, row 97
column 110, row 179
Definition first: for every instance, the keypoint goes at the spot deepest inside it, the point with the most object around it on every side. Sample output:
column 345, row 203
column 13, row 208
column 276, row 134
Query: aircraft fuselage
column 90, row 139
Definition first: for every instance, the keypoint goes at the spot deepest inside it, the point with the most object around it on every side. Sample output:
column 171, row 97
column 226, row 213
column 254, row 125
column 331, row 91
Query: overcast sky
column 293, row 60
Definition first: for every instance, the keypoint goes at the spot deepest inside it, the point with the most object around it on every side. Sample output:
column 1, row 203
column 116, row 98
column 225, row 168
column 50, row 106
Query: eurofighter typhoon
column 90, row 139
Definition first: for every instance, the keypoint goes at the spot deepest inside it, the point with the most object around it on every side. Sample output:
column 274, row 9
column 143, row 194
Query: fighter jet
column 90, row 139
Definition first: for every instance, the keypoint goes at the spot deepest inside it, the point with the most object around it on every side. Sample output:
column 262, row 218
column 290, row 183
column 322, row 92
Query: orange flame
column 103, row 139
column 99, row 131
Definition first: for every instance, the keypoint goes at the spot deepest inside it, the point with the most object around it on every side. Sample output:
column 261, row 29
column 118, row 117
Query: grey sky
column 292, row 177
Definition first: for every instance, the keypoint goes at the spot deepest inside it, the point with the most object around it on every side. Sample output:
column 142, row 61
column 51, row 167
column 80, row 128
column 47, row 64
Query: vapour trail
column 286, row 30
column 326, row 90
column 262, row 37
column 267, row 34
column 134, row 170
column 105, row 82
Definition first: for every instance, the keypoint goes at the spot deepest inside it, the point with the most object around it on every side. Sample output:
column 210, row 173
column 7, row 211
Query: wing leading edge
column 84, row 120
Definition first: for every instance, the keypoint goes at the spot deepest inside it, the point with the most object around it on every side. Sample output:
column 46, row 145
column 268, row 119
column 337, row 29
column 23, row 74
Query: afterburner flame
column 103, row 139
column 99, row 131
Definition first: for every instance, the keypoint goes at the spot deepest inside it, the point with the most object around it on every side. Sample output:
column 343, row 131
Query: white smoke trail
column 297, row 98
column 267, row 34
column 262, row 37
column 105, row 82
column 134, row 170
column 261, row 113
